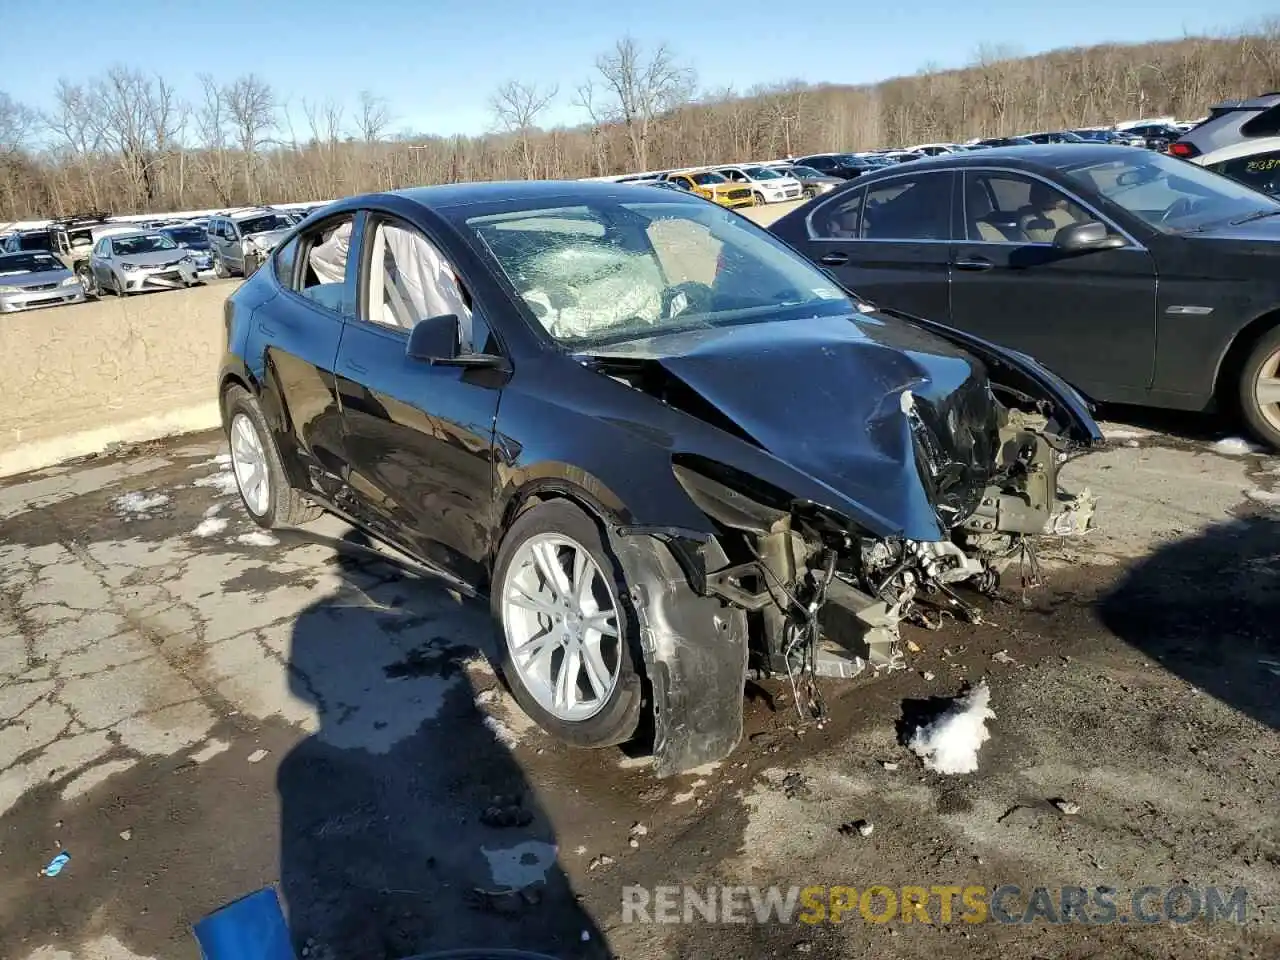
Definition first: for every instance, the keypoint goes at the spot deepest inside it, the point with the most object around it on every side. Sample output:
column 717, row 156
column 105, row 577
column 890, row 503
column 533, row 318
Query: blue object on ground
column 56, row 864
column 251, row 928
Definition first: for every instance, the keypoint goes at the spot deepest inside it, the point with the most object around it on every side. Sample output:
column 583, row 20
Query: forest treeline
column 125, row 142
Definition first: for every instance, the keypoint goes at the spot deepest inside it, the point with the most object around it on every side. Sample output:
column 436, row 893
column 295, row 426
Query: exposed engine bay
column 825, row 601
column 824, row 598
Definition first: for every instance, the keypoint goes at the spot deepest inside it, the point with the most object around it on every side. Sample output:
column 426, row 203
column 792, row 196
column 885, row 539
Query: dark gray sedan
column 36, row 279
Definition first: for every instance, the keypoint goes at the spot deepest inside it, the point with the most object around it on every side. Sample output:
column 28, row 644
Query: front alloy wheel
column 567, row 642
column 561, row 625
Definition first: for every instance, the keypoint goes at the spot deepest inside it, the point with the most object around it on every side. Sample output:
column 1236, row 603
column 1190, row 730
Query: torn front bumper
column 170, row 277
column 694, row 649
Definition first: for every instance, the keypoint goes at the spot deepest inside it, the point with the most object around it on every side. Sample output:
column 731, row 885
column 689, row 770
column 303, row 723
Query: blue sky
column 438, row 63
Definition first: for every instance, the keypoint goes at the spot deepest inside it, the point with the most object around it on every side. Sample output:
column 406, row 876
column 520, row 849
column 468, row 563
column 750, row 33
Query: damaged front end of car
column 795, row 587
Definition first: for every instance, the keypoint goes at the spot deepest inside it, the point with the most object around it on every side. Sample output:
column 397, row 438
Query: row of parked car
column 75, row 258
column 1239, row 138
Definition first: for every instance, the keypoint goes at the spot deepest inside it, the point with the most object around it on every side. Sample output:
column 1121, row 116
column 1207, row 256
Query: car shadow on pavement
column 407, row 823
column 1206, row 609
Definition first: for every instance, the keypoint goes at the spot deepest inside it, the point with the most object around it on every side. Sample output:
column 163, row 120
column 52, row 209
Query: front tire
column 569, row 642
column 220, row 268
column 758, row 198
column 260, row 475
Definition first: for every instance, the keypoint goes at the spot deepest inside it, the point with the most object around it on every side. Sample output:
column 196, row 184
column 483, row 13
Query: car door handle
column 355, row 367
column 974, row 263
column 265, row 330
column 834, row 259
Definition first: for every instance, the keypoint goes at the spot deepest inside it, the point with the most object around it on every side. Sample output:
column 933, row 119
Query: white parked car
column 936, row 149
column 767, row 186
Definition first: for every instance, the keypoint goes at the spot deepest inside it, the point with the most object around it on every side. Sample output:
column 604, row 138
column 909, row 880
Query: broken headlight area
column 824, row 598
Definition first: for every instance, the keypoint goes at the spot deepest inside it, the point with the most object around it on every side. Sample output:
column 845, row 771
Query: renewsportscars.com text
column 879, row 903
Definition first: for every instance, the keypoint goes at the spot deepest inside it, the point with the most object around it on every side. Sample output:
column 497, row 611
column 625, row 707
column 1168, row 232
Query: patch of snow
column 258, row 538
column 1124, row 434
column 221, row 460
column 949, row 744
column 214, row 510
column 501, row 732
column 224, row 482
column 1269, row 497
column 140, row 504
column 1233, row 447
column 522, row 865
column 209, row 527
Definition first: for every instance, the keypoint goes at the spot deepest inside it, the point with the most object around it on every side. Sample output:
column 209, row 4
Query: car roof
column 1056, row 155
column 537, row 191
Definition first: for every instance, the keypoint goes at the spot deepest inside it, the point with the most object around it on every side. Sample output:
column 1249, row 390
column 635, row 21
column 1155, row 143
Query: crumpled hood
column 825, row 395
column 153, row 258
column 269, row 239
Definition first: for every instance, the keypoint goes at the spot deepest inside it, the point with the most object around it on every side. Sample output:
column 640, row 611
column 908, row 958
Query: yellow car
column 712, row 186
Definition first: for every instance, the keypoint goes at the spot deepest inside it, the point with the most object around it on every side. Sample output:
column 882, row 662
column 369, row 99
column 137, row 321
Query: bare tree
column 251, row 106
column 642, row 88
column 137, row 120
column 18, row 123
column 517, row 106
column 374, row 117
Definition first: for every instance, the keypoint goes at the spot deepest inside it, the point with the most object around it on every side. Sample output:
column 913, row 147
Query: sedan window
column 614, row 271
column 909, row 208
column 1011, row 208
column 410, row 281
column 1260, row 171
column 151, row 243
column 1171, row 195
column 15, row 263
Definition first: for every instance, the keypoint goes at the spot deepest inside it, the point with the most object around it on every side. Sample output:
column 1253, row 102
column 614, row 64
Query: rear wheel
column 569, row 646
column 1260, row 389
column 260, row 475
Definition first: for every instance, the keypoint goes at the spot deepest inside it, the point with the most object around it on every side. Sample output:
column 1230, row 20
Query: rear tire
column 282, row 505
column 557, row 529
column 1259, row 389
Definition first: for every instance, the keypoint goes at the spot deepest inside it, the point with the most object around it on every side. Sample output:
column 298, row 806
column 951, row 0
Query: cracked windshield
column 640, row 481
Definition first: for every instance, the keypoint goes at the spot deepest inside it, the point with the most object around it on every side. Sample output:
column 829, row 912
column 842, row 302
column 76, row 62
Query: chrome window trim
column 1132, row 242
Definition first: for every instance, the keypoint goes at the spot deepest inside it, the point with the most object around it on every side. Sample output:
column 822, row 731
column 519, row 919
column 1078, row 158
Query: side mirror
column 1082, row 237
column 436, row 340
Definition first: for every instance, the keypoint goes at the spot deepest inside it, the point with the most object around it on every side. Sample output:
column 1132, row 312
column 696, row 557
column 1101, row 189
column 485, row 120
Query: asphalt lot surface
column 191, row 709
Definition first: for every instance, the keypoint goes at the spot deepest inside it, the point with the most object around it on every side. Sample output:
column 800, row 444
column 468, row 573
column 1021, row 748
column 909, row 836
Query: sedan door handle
column 264, row 329
column 974, row 263
column 834, row 259
column 355, row 367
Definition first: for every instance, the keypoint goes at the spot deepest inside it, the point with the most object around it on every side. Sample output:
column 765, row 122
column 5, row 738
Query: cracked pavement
column 192, row 709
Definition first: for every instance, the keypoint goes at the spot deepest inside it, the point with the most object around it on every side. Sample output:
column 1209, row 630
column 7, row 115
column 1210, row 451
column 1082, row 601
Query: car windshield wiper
column 1256, row 215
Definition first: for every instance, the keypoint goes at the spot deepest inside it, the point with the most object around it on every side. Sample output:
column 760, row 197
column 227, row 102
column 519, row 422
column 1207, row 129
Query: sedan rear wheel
column 1260, row 389
column 260, row 474
column 568, row 641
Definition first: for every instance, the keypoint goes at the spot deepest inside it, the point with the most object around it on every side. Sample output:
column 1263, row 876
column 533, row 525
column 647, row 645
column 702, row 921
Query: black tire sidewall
column 618, row 720
column 239, row 401
column 1257, row 423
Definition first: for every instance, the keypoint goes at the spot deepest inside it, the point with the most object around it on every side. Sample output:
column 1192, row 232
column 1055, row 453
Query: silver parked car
column 144, row 260
column 36, row 279
column 241, row 241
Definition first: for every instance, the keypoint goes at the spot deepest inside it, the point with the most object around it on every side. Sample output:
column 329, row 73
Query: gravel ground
column 191, row 710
